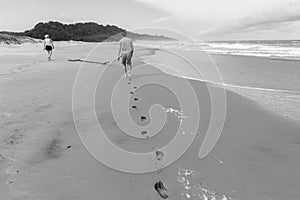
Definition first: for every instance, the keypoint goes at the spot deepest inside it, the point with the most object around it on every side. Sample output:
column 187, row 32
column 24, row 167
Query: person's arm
column 44, row 45
column 132, row 49
column 120, row 47
column 52, row 44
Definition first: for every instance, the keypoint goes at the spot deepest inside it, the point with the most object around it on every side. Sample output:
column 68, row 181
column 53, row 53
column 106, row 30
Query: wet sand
column 257, row 156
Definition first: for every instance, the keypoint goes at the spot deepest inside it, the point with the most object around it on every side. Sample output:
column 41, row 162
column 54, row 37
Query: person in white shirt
column 48, row 46
column 126, row 53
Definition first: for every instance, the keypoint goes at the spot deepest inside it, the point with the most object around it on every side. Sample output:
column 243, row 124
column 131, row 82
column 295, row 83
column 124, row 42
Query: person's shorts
column 48, row 48
column 126, row 58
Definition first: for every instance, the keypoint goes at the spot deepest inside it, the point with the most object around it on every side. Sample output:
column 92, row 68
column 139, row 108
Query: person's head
column 124, row 33
column 46, row 36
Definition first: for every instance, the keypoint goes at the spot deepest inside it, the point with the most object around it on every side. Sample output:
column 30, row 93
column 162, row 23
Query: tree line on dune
column 87, row 32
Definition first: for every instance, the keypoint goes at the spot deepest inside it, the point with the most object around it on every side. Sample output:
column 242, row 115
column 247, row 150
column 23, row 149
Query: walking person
column 48, row 46
column 126, row 53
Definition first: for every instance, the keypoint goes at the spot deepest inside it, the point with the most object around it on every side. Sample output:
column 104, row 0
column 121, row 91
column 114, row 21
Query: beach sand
column 256, row 157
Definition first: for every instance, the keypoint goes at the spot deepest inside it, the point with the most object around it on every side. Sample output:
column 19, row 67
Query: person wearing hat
column 48, row 45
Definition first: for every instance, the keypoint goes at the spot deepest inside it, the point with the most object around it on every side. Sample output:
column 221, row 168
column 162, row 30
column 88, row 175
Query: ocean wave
column 275, row 49
column 268, row 49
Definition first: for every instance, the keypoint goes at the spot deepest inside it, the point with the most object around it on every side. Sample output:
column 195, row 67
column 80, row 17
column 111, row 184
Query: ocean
column 267, row 72
column 276, row 49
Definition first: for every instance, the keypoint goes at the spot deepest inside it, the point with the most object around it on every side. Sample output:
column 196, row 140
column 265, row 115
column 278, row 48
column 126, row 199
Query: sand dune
column 9, row 39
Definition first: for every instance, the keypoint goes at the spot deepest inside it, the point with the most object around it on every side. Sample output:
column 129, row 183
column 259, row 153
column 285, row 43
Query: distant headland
column 86, row 32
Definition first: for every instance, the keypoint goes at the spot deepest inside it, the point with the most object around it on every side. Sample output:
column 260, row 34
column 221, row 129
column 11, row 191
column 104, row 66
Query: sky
column 199, row 19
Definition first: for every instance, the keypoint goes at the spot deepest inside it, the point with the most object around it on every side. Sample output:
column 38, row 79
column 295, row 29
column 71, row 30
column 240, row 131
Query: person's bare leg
column 129, row 66
column 49, row 55
column 129, row 70
column 124, row 62
column 125, row 69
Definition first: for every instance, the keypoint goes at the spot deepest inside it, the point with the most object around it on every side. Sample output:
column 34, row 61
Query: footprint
column 134, row 107
column 144, row 133
column 131, row 92
column 135, row 99
column 134, row 87
column 143, row 118
column 161, row 190
column 159, row 155
column 10, row 182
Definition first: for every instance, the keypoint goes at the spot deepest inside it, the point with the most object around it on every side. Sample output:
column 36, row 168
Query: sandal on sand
column 161, row 190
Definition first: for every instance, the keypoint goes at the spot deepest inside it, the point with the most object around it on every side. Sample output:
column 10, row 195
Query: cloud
column 67, row 18
column 230, row 16
column 267, row 19
column 159, row 20
column 214, row 10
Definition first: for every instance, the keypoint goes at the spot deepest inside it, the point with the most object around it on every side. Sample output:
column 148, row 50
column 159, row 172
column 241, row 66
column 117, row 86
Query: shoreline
column 255, row 93
column 158, row 44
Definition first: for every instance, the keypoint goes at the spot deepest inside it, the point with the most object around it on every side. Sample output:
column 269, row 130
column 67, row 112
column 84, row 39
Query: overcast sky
column 200, row 19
